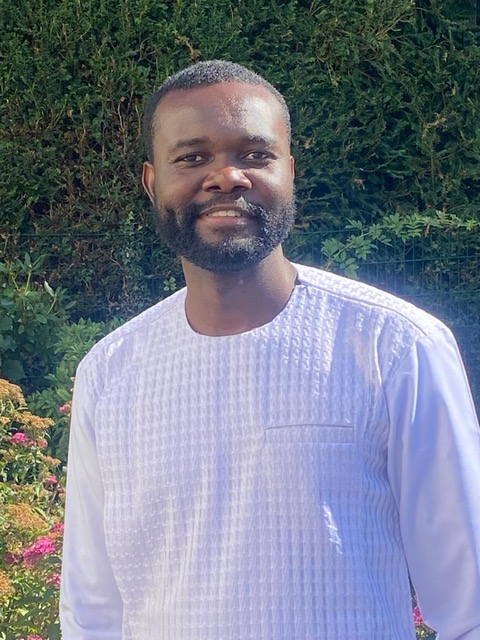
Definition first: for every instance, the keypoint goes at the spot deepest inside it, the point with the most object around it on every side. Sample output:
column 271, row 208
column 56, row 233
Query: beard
column 177, row 227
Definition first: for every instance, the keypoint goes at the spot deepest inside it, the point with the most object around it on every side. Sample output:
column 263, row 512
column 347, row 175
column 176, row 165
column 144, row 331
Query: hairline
column 172, row 90
column 178, row 83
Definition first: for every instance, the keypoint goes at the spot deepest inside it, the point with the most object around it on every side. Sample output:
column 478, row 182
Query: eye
column 191, row 158
column 257, row 156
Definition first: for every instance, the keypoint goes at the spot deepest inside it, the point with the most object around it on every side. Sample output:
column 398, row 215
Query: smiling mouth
column 227, row 213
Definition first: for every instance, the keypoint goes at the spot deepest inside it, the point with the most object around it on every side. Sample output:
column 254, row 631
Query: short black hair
column 204, row 73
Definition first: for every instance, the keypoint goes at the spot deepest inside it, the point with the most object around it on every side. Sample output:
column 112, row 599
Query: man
column 270, row 452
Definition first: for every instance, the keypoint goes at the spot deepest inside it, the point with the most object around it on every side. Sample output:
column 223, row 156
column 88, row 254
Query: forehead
column 224, row 109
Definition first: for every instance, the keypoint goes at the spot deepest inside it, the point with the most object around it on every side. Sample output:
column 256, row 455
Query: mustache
column 194, row 210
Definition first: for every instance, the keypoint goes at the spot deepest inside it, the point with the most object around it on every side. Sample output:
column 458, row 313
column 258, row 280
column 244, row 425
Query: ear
column 148, row 180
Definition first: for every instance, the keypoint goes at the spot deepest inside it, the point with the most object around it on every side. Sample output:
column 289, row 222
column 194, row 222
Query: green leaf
column 48, row 289
column 13, row 370
column 53, row 631
column 6, row 323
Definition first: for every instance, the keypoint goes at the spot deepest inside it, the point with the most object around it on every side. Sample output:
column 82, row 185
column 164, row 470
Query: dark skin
column 228, row 140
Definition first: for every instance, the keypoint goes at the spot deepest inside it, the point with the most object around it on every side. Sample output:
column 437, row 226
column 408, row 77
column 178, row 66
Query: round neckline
column 251, row 332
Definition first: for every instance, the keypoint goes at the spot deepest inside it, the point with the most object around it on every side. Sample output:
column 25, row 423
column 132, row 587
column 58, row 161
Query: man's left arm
column 434, row 470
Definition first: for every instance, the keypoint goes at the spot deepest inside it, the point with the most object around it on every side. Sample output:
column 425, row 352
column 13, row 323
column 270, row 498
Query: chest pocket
column 321, row 433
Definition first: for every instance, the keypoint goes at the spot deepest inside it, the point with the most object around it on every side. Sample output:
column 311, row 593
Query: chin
column 229, row 256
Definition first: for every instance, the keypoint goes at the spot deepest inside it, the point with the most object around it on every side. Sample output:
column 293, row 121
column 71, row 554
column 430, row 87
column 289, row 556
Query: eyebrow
column 266, row 141
column 188, row 142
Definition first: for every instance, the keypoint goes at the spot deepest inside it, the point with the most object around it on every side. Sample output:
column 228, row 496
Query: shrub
column 382, row 94
column 31, row 502
column 72, row 343
column 31, row 313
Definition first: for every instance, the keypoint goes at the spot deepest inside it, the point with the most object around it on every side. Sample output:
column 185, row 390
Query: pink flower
column 11, row 558
column 41, row 547
column 54, row 580
column 417, row 616
column 20, row 438
column 57, row 528
column 24, row 440
column 66, row 408
column 51, row 480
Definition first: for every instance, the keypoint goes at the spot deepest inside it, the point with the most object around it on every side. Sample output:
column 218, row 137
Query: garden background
column 385, row 105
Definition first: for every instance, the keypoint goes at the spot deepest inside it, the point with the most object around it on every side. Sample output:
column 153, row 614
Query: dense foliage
column 382, row 94
column 31, row 314
column 72, row 342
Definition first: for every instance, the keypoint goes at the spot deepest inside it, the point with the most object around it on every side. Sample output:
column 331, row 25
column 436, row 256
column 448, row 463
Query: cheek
column 279, row 186
column 174, row 192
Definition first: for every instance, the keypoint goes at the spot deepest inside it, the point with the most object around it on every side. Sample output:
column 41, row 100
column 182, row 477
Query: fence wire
column 437, row 272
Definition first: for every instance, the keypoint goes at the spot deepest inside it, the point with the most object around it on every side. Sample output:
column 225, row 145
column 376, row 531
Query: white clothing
column 278, row 484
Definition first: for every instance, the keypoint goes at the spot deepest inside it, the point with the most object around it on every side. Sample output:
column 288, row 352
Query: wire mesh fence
column 437, row 271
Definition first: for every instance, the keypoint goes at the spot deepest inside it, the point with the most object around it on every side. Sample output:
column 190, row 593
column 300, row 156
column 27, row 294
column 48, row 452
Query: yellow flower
column 8, row 455
column 50, row 462
column 6, row 589
column 24, row 518
column 34, row 426
column 11, row 392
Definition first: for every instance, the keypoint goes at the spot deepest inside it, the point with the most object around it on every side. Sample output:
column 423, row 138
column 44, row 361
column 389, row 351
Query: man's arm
column 434, row 469
column 90, row 604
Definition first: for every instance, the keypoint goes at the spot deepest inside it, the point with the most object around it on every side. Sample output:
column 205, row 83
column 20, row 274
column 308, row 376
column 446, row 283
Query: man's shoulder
column 355, row 294
column 138, row 330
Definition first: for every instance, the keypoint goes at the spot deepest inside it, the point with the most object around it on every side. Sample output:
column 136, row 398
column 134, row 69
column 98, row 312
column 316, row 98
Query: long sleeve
column 90, row 604
column 434, row 469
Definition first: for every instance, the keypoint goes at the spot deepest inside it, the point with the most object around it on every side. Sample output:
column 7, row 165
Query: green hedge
column 383, row 95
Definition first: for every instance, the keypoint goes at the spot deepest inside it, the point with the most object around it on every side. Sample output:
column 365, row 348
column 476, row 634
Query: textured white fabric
column 274, row 485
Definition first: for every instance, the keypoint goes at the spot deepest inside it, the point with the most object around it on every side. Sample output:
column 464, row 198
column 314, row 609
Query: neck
column 220, row 304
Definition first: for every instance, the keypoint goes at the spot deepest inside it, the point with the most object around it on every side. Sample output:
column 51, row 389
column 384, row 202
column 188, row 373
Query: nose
column 227, row 179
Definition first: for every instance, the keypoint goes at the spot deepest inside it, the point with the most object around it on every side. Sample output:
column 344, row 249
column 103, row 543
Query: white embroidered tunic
column 278, row 484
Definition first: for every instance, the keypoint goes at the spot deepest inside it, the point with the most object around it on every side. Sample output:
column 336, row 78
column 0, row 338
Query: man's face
column 222, row 177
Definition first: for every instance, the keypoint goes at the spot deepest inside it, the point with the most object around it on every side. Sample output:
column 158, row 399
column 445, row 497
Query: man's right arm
column 90, row 604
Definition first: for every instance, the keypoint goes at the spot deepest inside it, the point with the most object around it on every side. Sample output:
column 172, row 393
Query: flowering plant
column 423, row 631
column 31, row 513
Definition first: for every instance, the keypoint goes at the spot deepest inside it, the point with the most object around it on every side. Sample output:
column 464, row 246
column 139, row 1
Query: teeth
column 225, row 214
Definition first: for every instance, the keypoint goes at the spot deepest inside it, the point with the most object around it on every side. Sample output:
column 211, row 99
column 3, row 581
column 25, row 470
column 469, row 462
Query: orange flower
column 24, row 518
column 11, row 392
column 50, row 462
column 33, row 425
column 6, row 589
